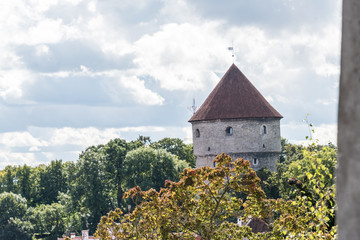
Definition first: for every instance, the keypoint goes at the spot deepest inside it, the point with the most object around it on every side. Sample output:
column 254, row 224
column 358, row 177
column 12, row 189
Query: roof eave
column 213, row 119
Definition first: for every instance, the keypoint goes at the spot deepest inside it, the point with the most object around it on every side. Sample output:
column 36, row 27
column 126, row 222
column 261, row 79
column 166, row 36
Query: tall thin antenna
column 232, row 51
column 193, row 108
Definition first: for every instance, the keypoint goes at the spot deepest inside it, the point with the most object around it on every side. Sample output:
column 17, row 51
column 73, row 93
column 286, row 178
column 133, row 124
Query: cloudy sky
column 75, row 73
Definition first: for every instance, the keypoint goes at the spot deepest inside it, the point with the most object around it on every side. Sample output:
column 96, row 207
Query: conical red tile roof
column 234, row 97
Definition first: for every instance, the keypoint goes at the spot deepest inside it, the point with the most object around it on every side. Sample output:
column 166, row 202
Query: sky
column 76, row 73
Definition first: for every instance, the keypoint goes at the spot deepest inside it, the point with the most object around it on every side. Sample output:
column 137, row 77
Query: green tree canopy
column 149, row 168
column 177, row 147
column 47, row 220
column 204, row 203
column 201, row 203
column 25, row 181
column 93, row 185
column 115, row 152
column 12, row 206
column 52, row 181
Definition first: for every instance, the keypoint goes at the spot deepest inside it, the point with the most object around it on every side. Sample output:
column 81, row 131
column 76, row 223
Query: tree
column 12, row 206
column 69, row 171
column 311, row 213
column 149, row 168
column 177, row 147
column 204, row 203
column 93, row 186
column 201, row 203
column 9, row 180
column 76, row 218
column 283, row 182
column 268, row 183
column 306, row 209
column 116, row 151
column 52, row 182
column 24, row 181
column 48, row 220
column 290, row 152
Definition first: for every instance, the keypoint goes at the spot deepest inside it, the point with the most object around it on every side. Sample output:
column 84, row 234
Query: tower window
column 263, row 145
column 263, row 129
column 197, row 133
column 256, row 161
column 208, row 148
column 229, row 131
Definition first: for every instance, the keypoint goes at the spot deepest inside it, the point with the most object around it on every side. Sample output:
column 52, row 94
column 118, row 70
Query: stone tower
column 237, row 120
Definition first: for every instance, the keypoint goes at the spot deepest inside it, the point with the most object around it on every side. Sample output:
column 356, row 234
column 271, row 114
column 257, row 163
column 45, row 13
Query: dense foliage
column 206, row 201
column 12, row 206
column 47, row 201
column 201, row 203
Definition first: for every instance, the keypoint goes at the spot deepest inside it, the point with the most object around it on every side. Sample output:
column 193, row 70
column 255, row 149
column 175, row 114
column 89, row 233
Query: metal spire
column 193, row 108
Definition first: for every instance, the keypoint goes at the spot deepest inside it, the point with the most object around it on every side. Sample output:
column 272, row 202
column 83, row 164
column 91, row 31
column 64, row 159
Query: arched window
column 263, row 145
column 208, row 148
column 229, row 131
column 197, row 133
column 255, row 161
column 263, row 129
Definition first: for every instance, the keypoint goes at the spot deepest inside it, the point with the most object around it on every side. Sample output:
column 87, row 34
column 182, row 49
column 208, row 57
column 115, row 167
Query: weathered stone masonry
column 248, row 140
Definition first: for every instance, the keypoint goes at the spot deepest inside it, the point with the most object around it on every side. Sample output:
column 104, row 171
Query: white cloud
column 323, row 133
column 92, row 6
column 326, row 133
column 274, row 53
column 188, row 134
column 34, row 149
column 117, row 80
column 324, row 46
column 82, row 137
column 11, row 84
column 108, row 36
column 12, row 158
column 39, row 145
column 86, row 137
column 179, row 11
column 46, row 31
column 143, row 129
column 183, row 55
column 171, row 54
column 35, row 138
column 140, row 93
column 82, row 71
column 269, row 60
column 20, row 139
column 42, row 6
column 42, row 50
column 326, row 102
column 27, row 24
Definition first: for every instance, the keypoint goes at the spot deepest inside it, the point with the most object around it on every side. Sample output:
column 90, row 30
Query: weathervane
column 193, row 108
column 232, row 51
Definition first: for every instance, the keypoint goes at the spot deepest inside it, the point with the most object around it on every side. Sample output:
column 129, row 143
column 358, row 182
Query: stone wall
column 249, row 138
column 263, row 160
